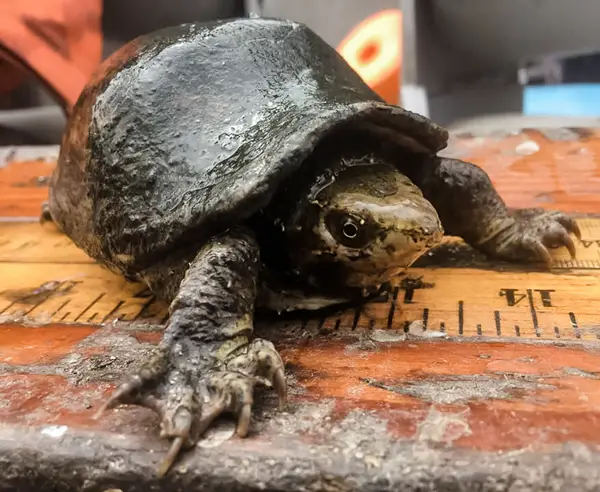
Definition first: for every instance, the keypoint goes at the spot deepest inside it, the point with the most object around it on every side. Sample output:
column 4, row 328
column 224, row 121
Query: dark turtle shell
column 187, row 130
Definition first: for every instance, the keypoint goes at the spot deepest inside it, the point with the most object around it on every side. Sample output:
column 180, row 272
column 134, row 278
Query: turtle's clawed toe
column 533, row 233
column 188, row 402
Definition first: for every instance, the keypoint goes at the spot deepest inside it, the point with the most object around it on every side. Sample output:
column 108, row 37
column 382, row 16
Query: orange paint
column 563, row 175
column 39, row 345
column 149, row 336
column 374, row 50
column 36, row 399
column 23, row 188
column 560, row 402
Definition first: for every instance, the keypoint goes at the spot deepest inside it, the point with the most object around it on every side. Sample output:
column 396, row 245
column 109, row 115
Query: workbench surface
column 476, row 376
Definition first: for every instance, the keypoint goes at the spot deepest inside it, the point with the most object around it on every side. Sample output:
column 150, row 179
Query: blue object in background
column 562, row 100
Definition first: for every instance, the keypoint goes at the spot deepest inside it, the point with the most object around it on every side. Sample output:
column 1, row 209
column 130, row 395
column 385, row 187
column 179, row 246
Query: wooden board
column 361, row 399
column 45, row 278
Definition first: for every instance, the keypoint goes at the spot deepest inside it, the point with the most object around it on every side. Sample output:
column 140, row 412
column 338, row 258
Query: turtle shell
column 192, row 128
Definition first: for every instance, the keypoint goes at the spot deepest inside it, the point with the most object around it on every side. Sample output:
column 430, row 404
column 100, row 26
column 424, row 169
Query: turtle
column 242, row 165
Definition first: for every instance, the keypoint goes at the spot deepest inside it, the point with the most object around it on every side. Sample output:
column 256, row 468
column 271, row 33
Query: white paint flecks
column 55, row 430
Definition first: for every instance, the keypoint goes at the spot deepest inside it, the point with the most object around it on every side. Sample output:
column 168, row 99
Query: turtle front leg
column 470, row 207
column 206, row 363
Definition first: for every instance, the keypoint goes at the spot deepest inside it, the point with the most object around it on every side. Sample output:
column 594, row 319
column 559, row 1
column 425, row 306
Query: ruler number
column 515, row 296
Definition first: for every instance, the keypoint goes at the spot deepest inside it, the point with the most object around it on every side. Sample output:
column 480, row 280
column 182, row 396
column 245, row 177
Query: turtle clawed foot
column 535, row 232
column 260, row 361
column 189, row 402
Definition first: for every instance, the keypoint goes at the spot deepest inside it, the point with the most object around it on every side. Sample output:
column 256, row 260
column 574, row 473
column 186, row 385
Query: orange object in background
column 374, row 50
column 59, row 41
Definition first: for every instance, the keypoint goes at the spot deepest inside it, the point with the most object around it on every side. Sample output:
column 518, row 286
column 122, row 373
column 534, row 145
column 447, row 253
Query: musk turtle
column 242, row 164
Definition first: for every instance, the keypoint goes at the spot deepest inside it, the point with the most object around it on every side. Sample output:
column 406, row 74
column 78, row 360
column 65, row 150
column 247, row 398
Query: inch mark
column 89, row 306
column 112, row 311
column 8, row 307
column 533, row 312
column 390, row 320
column 145, row 306
column 575, row 325
column 498, row 323
column 357, row 313
column 60, row 308
column 34, row 307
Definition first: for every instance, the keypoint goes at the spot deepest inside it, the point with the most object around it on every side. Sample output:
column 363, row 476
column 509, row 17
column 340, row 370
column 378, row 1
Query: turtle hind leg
column 206, row 363
column 45, row 215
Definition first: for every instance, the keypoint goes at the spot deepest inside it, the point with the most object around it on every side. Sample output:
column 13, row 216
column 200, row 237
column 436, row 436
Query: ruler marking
column 112, row 311
column 392, row 311
column 442, row 327
column 533, row 312
column 338, row 322
column 406, row 326
column 574, row 325
column 60, row 308
column 357, row 313
column 89, row 306
column 556, row 332
column 92, row 317
column 461, row 317
column 8, row 307
column 321, row 323
column 65, row 315
column 517, row 330
column 425, row 318
column 35, row 306
column 145, row 306
column 479, row 330
column 498, row 323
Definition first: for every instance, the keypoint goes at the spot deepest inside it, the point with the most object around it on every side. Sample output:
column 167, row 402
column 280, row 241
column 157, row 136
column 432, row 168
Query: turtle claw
column 281, row 387
column 533, row 233
column 189, row 400
column 171, row 456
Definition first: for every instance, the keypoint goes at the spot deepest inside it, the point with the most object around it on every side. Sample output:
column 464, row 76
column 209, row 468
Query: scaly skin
column 206, row 363
column 470, row 207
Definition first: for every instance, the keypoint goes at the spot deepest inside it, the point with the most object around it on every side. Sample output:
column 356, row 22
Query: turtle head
column 362, row 226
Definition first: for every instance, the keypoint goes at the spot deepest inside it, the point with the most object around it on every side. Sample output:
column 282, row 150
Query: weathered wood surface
column 374, row 405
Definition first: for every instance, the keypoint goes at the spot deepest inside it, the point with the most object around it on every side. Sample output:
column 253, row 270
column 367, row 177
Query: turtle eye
column 350, row 230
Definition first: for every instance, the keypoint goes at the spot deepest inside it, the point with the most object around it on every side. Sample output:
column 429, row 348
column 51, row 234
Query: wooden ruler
column 45, row 278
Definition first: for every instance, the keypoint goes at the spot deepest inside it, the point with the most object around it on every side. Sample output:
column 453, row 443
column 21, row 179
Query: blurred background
column 463, row 63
